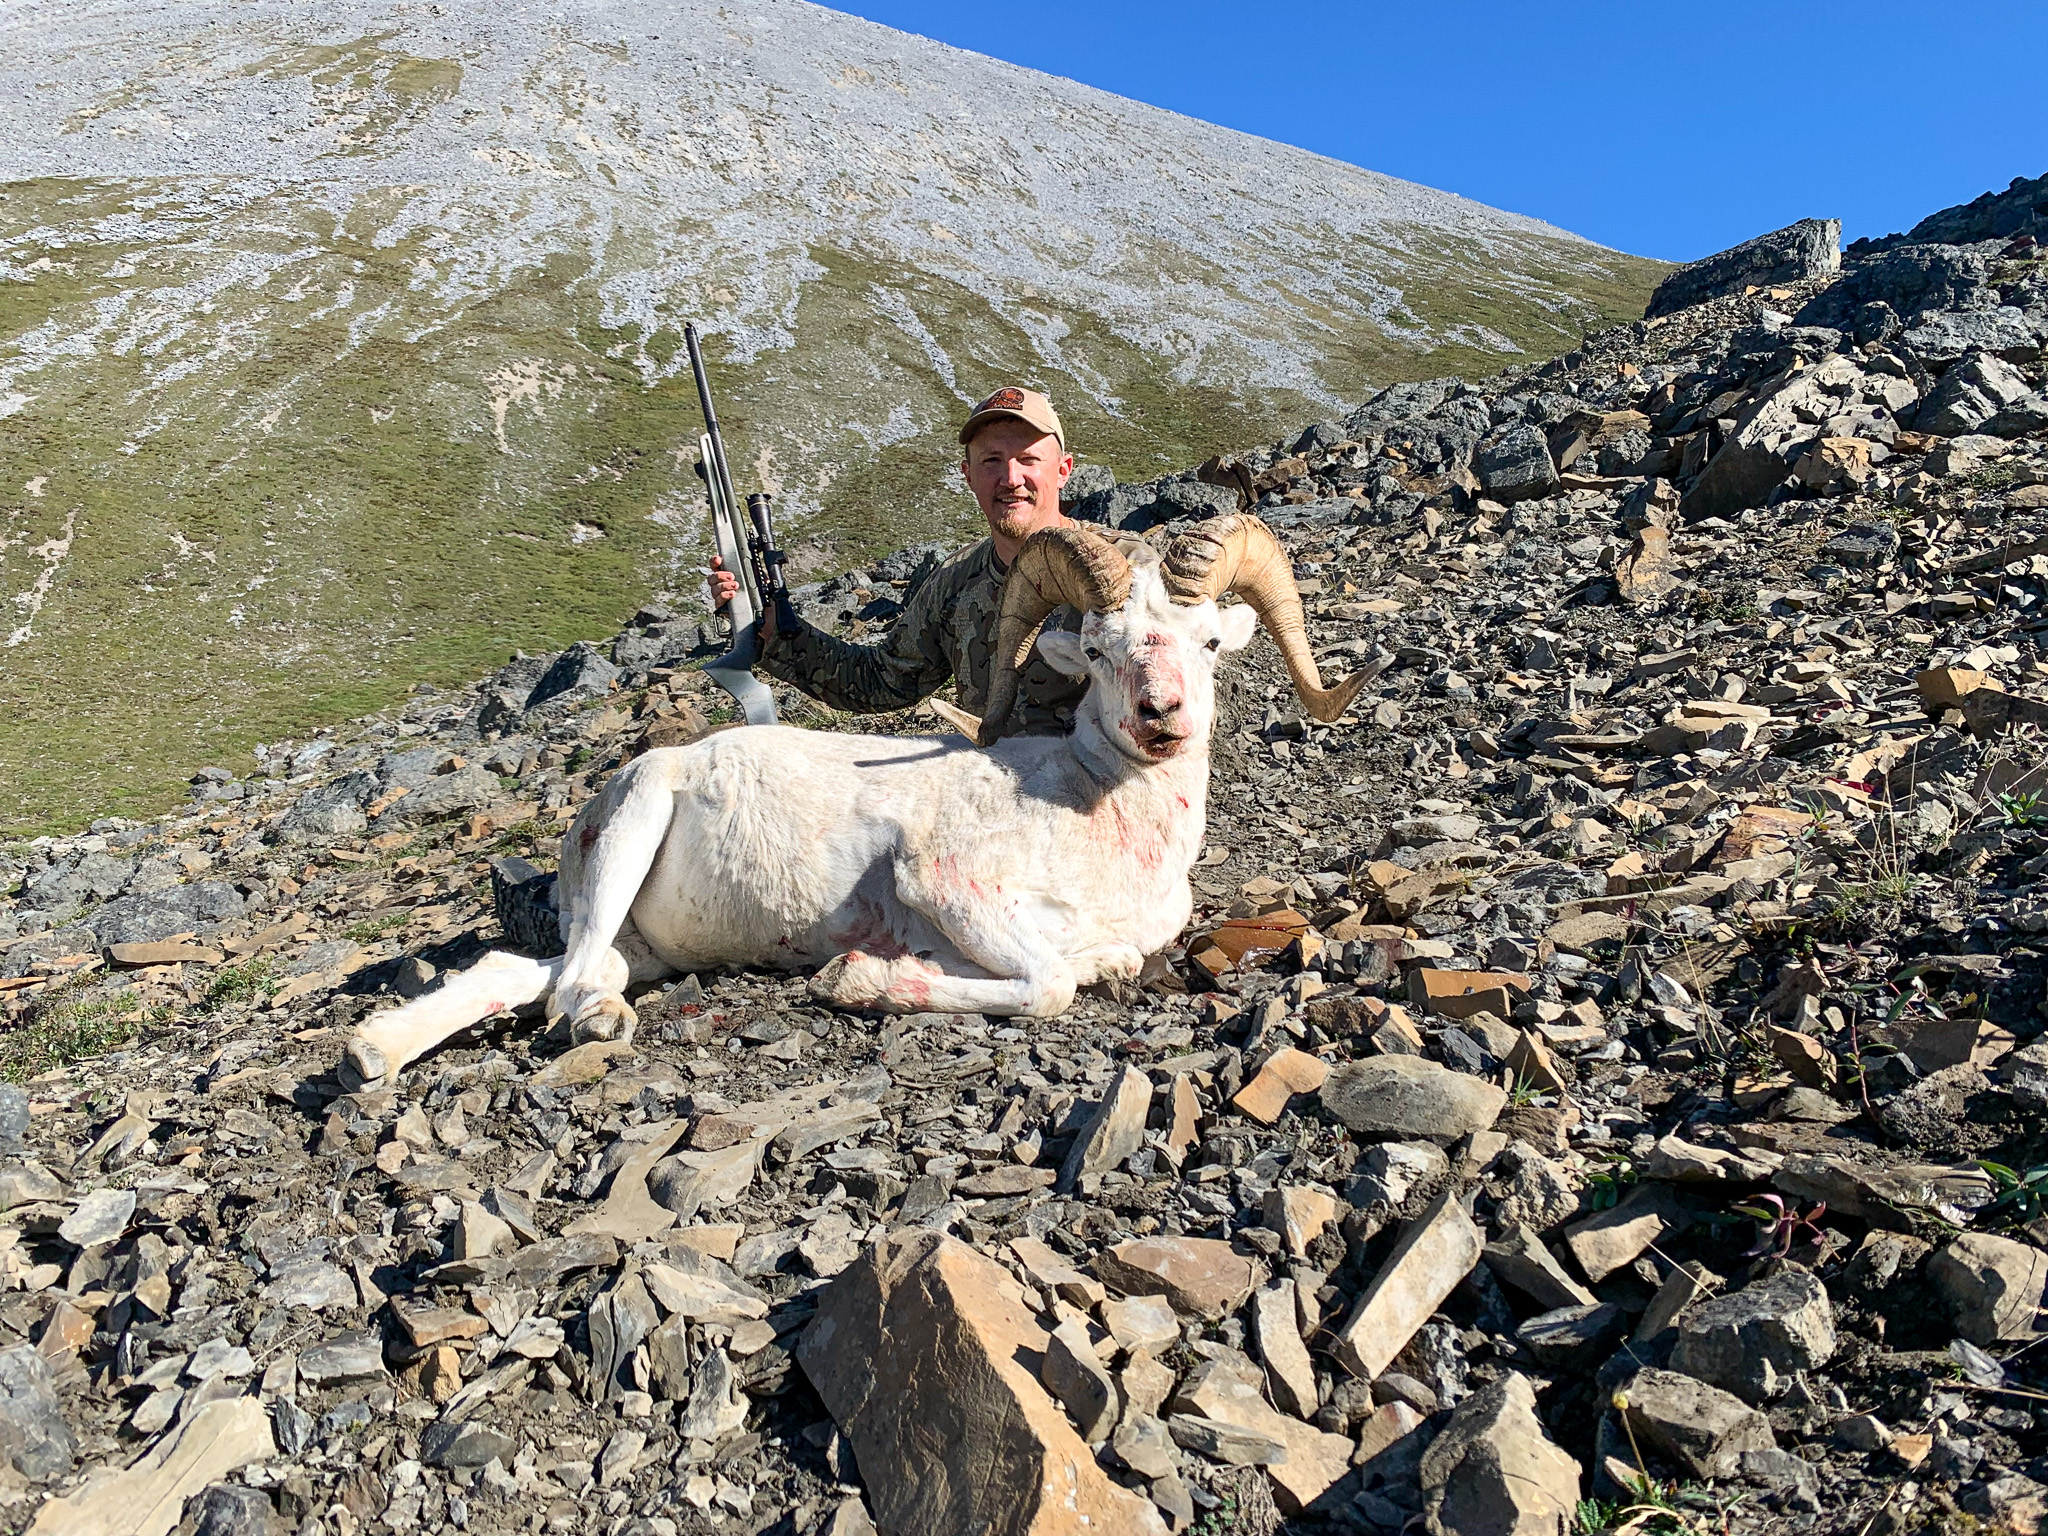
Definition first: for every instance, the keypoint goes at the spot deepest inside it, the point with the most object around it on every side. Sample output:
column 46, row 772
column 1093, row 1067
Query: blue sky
column 1666, row 130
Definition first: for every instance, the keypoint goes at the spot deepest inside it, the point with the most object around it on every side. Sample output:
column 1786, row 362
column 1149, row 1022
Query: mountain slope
column 339, row 350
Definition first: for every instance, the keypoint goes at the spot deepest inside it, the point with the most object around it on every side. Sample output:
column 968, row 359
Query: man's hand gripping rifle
column 746, row 549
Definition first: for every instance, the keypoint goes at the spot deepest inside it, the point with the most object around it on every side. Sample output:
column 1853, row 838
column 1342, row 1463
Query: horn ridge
column 1238, row 554
column 1067, row 566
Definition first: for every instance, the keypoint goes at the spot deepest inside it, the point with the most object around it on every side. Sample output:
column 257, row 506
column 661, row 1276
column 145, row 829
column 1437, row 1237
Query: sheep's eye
column 1216, row 644
column 1092, row 653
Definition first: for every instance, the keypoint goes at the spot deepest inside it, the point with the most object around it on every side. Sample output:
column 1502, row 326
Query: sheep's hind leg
column 1021, row 973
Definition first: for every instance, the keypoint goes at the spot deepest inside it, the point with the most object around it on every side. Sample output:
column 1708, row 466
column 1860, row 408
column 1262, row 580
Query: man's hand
column 725, row 587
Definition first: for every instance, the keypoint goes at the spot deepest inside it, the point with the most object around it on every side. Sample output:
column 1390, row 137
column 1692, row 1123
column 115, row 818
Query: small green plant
column 2024, row 810
column 2021, row 1196
column 517, row 835
column 1779, row 1225
column 1525, row 1093
column 58, row 1030
column 1606, row 1187
column 371, row 929
column 250, row 982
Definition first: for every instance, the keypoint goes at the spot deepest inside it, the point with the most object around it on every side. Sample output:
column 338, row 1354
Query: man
column 1015, row 460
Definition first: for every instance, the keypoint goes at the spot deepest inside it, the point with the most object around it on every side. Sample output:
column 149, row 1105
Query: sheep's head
column 1153, row 630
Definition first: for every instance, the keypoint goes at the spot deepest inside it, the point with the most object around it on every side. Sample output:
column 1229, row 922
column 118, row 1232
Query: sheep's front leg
column 605, row 859
column 1021, row 972
column 1108, row 962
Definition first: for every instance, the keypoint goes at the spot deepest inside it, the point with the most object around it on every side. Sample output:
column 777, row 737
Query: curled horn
column 1070, row 566
column 1238, row 554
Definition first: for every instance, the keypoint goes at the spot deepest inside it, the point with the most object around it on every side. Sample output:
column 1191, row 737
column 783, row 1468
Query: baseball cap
column 1026, row 405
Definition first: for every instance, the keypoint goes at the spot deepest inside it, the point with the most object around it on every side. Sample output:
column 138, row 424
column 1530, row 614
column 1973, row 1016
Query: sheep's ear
column 1064, row 652
column 1240, row 622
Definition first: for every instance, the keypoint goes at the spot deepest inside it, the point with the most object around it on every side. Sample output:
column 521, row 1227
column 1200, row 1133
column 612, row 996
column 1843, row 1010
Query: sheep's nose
column 1156, row 709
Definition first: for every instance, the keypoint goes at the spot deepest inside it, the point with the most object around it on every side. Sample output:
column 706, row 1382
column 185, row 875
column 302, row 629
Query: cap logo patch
column 1004, row 400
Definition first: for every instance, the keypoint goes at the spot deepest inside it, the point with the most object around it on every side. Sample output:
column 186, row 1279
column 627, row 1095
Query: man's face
column 1016, row 472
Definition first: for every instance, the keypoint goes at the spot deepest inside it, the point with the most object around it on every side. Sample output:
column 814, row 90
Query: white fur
column 920, row 873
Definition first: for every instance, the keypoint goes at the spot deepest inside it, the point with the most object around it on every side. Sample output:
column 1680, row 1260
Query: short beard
column 1014, row 522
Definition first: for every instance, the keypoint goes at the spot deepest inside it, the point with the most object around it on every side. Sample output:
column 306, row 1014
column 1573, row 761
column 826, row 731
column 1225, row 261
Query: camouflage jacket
column 947, row 630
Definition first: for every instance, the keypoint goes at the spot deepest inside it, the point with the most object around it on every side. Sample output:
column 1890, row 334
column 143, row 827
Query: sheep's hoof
column 362, row 1066
column 603, row 1018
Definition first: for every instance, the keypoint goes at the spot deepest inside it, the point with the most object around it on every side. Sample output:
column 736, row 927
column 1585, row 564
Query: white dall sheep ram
column 921, row 872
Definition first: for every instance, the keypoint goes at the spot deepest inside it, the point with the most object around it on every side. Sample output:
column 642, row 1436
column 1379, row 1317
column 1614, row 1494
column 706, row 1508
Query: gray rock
column 464, row 1443
column 412, row 768
column 333, row 809
column 13, row 1117
column 100, row 1217
column 1494, row 1472
column 2021, row 209
column 1574, row 1336
column 1808, row 249
column 1236, row 1445
column 228, row 1509
column 1176, row 500
column 1982, row 393
column 181, row 909
column 578, row 674
column 1912, row 279
column 347, row 1357
column 1516, row 466
column 1945, row 335
column 2025, row 1076
column 1408, row 1098
column 34, row 1439
column 1791, row 1477
column 1751, row 1341
column 1993, row 1285
column 444, row 795
column 1086, row 480
column 1113, row 1132
column 1701, row 1428
column 311, row 1283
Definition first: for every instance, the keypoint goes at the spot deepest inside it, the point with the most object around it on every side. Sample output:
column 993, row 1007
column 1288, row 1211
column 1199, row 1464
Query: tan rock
column 1285, row 1073
column 1438, row 1249
column 584, row 1063
column 1385, row 1427
column 1225, row 1389
column 1649, row 570
column 1494, row 1472
column 1199, row 1276
column 1299, row 1213
column 1460, row 994
column 1604, row 1242
column 1145, row 1382
column 1276, row 1325
column 1141, row 1322
column 1993, row 1285
column 918, row 1351
column 1184, row 1115
column 148, row 1498
column 1945, row 687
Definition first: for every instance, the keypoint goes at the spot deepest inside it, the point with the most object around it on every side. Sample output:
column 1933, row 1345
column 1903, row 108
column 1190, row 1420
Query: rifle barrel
column 710, row 414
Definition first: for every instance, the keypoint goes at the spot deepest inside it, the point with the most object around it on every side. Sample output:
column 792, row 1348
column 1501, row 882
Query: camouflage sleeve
column 906, row 665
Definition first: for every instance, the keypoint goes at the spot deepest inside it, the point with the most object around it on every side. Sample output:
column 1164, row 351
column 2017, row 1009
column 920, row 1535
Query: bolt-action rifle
column 747, row 549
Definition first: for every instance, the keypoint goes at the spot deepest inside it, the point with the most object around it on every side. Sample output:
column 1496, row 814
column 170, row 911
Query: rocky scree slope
column 341, row 345
column 1606, row 1070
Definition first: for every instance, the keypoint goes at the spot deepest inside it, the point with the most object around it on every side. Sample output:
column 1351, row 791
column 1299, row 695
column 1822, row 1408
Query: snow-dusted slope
column 339, row 342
